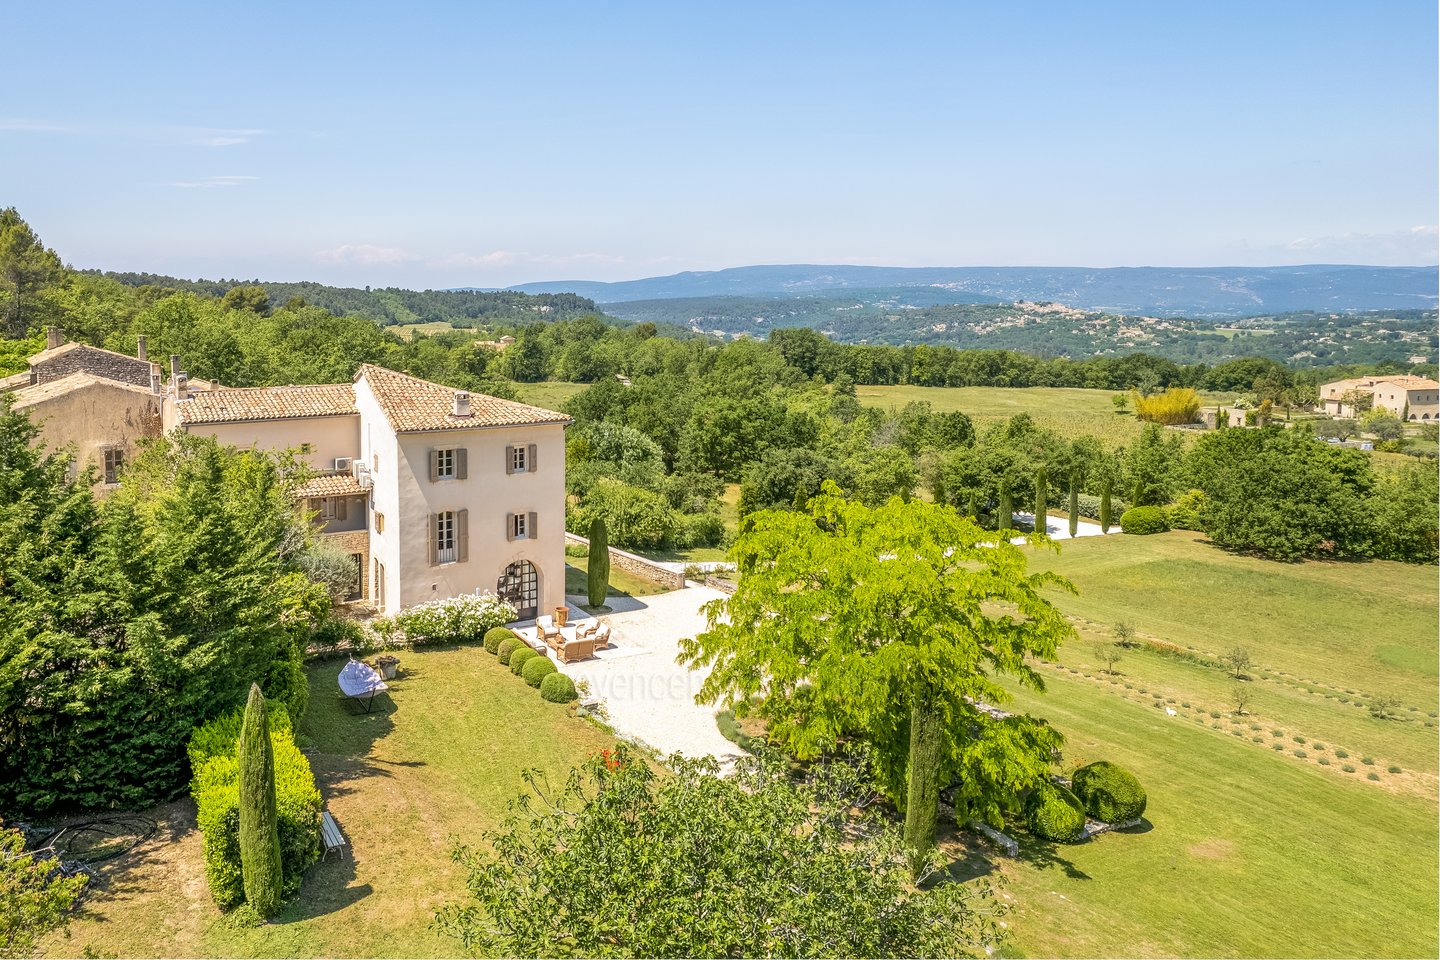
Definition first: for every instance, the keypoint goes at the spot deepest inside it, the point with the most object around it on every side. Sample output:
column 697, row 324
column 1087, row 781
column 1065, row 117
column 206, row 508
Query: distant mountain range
column 1198, row 292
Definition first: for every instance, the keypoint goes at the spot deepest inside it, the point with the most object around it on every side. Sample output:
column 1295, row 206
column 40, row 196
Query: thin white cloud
column 207, row 182
column 501, row 258
column 192, row 135
column 365, row 253
column 1418, row 242
column 222, row 137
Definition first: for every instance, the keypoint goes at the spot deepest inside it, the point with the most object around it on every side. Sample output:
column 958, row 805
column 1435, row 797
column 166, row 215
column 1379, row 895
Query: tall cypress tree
column 259, row 830
column 1006, row 509
column 1105, row 505
column 597, row 580
column 1074, row 504
column 1042, row 497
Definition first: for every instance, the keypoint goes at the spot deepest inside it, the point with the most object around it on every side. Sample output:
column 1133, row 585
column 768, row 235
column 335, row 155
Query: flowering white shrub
column 454, row 620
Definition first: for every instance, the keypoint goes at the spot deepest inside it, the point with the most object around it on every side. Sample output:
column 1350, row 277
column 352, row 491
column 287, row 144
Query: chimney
column 174, row 365
column 53, row 338
column 140, row 348
column 214, row 385
column 462, row 404
column 182, row 386
column 155, row 380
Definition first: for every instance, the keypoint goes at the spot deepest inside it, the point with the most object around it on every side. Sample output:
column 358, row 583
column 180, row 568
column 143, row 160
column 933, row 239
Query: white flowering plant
column 461, row 619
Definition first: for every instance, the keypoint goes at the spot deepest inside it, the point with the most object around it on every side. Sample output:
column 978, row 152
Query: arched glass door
column 520, row 586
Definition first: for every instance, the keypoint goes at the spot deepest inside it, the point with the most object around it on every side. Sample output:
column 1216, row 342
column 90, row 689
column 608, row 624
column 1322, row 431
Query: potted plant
column 562, row 614
column 387, row 665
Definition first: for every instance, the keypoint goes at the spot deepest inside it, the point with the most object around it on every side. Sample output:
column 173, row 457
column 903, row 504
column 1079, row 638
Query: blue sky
column 437, row 144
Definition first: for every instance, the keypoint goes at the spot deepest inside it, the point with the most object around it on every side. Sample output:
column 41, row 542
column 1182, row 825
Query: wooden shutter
column 509, row 459
column 530, row 528
column 433, row 534
column 462, row 463
column 462, row 535
column 509, row 526
column 434, row 466
column 530, row 460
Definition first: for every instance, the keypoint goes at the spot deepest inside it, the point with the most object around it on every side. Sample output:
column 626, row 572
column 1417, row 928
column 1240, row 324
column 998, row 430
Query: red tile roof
column 231, row 404
column 415, row 405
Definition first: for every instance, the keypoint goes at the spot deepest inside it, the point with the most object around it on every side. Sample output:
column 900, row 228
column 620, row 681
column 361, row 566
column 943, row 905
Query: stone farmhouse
column 1408, row 397
column 434, row 492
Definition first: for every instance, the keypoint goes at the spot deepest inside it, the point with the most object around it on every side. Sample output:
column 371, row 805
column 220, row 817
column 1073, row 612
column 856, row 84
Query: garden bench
column 330, row 835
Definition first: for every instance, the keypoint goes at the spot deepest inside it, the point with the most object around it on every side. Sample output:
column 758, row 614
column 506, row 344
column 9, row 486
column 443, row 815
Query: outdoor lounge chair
column 586, row 628
column 360, row 681
column 581, row 648
column 601, row 636
column 547, row 632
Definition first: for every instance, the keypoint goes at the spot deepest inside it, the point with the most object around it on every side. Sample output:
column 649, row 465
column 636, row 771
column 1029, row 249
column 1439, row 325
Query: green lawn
column 441, row 760
column 623, row 583
column 550, row 394
column 1249, row 850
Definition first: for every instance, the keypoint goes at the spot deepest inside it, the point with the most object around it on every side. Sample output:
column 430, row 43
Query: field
column 1069, row 411
column 1248, row 849
column 441, row 760
column 406, row 331
column 549, row 394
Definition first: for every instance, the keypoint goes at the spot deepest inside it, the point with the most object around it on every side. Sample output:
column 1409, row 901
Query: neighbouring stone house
column 1408, row 397
column 433, row 491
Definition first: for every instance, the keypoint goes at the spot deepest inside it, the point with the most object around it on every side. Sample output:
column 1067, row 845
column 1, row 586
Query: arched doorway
column 520, row 586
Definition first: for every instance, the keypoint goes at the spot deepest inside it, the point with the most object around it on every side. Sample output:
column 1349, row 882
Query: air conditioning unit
column 361, row 472
column 342, row 464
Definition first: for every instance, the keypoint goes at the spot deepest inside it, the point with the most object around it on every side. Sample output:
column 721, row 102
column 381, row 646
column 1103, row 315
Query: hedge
column 461, row 619
column 1109, row 793
column 518, row 656
column 557, row 688
column 536, row 669
column 495, row 636
column 507, row 646
column 1090, row 506
column 1184, row 513
column 1143, row 520
column 1055, row 813
column 216, row 788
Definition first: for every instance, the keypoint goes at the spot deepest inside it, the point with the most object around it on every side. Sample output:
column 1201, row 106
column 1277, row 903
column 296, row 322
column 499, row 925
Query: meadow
column 1304, row 826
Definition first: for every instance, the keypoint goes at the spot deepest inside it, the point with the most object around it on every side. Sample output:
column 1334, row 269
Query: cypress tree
column 1105, row 505
column 597, row 580
column 259, row 830
column 1042, row 485
column 1074, row 504
column 1005, row 509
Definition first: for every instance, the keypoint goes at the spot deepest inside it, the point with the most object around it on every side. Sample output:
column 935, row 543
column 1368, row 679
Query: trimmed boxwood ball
column 557, row 688
column 1109, row 793
column 518, row 656
column 494, row 638
column 1055, row 813
column 536, row 669
column 1143, row 520
column 507, row 646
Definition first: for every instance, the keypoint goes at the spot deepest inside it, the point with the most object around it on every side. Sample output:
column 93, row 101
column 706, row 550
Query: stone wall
column 636, row 564
column 352, row 542
column 102, row 363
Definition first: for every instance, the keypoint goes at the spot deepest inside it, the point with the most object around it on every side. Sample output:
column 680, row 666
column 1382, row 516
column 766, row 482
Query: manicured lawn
column 1248, row 850
column 623, row 583
column 441, row 760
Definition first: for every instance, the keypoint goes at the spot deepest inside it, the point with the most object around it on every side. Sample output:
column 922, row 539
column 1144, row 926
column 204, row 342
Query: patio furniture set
column 572, row 643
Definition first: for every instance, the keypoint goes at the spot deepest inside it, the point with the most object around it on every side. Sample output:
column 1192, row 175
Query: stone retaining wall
column 636, row 564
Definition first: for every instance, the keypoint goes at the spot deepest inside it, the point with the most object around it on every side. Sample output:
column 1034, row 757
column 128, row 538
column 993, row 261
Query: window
column 520, row 526
column 519, row 532
column 445, row 464
column 445, row 537
column 328, row 509
column 517, row 460
column 114, row 464
column 307, row 448
column 520, row 458
column 379, row 522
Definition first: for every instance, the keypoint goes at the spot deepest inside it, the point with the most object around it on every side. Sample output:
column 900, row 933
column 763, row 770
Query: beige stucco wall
column 329, row 437
column 403, row 492
column 94, row 417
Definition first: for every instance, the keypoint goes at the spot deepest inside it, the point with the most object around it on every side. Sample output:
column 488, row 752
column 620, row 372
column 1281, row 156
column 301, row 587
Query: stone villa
column 1408, row 397
column 435, row 492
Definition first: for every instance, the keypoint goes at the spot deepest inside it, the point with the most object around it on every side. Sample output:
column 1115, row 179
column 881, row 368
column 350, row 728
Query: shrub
column 536, row 669
column 1090, row 506
column 1392, row 769
column 1372, row 775
column 576, row 550
column 1177, row 405
column 1054, row 813
column 506, row 646
column 1298, row 739
column 1342, row 754
column 1214, row 714
column 1318, row 745
column 1257, row 739
column 1277, row 746
column 1348, row 768
column 1184, row 513
column 1277, row 733
column 730, row 730
column 1324, row 761
column 494, row 637
column 1143, row 520
column 1300, row 754
column 518, row 656
column 557, row 688
column 461, row 619
column 1368, row 761
column 213, row 751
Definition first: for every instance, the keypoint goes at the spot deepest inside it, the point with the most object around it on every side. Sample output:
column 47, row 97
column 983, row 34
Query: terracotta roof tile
column 230, row 404
column 415, row 405
column 331, row 485
column 32, row 394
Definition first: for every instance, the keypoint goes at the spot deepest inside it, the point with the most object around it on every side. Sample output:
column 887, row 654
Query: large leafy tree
column 888, row 625
column 35, row 897
column 622, row 862
column 27, row 268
